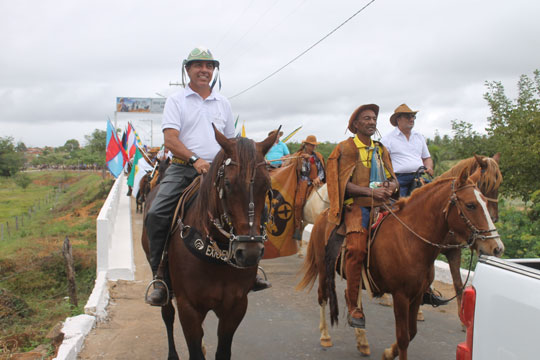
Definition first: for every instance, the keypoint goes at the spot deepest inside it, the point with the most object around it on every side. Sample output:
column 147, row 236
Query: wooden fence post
column 7, row 228
column 70, row 270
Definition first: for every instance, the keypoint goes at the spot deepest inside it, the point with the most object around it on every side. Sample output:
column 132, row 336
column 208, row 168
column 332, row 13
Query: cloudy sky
column 63, row 63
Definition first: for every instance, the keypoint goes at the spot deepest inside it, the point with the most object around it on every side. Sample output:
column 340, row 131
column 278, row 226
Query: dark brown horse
column 149, row 181
column 403, row 253
column 227, row 226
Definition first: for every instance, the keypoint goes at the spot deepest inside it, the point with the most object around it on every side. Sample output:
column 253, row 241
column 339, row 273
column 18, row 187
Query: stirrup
column 146, row 300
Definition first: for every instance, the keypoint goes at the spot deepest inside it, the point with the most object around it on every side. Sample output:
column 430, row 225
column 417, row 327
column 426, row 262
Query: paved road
column 281, row 323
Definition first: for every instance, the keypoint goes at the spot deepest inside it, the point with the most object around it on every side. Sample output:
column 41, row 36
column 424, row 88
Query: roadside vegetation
column 33, row 282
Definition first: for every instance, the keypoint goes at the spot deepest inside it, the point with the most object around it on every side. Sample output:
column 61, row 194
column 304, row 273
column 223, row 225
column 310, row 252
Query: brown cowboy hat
column 401, row 109
column 361, row 108
column 274, row 131
column 311, row 139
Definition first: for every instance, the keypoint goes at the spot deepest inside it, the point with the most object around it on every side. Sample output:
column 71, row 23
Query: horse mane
column 419, row 192
column 490, row 179
column 245, row 155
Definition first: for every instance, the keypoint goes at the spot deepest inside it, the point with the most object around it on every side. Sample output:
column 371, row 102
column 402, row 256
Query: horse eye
column 227, row 185
column 471, row 206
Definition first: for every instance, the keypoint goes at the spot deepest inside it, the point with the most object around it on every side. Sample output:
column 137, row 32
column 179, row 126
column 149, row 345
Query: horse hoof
column 420, row 316
column 387, row 354
column 326, row 343
column 364, row 350
column 385, row 300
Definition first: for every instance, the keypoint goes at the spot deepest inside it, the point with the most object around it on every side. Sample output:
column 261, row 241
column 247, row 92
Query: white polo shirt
column 406, row 154
column 190, row 114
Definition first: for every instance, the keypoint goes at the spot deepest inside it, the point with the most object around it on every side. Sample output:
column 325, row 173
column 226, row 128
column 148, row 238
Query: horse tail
column 309, row 268
column 331, row 258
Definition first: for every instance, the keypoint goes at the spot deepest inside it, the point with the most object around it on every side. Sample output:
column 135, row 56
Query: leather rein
column 454, row 200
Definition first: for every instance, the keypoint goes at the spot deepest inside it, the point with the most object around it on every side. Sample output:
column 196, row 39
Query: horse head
column 490, row 181
column 241, row 182
column 468, row 216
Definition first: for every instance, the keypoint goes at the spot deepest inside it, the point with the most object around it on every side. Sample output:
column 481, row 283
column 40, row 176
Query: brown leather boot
column 355, row 315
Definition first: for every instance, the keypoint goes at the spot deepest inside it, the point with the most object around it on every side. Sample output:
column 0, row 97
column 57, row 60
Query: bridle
column 224, row 220
column 476, row 234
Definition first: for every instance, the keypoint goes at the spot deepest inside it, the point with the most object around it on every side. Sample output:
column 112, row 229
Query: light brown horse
column 404, row 251
column 489, row 183
column 227, row 225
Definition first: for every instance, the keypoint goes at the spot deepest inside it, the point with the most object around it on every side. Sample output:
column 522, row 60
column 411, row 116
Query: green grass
column 33, row 283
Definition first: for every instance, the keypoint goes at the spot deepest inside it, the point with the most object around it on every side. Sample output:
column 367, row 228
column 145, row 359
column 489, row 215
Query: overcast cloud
column 63, row 63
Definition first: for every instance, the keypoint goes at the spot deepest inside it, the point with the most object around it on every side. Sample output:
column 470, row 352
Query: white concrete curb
column 115, row 260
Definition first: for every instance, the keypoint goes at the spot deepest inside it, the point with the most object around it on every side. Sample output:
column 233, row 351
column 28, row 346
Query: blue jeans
column 405, row 182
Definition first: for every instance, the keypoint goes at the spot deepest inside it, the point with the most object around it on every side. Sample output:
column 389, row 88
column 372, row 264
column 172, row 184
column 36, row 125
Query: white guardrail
column 114, row 261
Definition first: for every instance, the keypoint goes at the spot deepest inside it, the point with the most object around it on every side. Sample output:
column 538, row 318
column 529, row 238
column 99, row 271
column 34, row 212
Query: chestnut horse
column 227, row 213
column 489, row 183
column 402, row 255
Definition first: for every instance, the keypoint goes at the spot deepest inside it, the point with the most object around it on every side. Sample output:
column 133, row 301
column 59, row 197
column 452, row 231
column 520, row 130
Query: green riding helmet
column 201, row 54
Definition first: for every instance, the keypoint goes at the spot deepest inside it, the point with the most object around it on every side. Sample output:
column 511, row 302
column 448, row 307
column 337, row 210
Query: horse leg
column 228, row 323
column 401, row 315
column 191, row 321
column 167, row 314
column 326, row 340
column 362, row 344
column 454, row 262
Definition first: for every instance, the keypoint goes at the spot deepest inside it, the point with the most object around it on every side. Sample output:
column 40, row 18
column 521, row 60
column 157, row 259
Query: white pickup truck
column 501, row 311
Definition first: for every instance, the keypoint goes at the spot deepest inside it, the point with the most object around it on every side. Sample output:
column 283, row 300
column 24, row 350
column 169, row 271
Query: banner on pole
column 140, row 105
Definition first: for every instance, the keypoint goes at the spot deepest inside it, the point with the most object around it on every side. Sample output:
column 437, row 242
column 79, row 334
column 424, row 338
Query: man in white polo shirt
column 407, row 148
column 408, row 151
column 187, row 129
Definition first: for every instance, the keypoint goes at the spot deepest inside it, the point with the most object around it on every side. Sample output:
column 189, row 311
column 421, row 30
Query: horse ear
column 497, row 157
column 481, row 161
column 225, row 143
column 475, row 176
column 462, row 178
column 267, row 143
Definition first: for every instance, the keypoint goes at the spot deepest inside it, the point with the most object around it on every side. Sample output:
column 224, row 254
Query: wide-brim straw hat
column 274, row 131
column 311, row 139
column 361, row 108
column 401, row 109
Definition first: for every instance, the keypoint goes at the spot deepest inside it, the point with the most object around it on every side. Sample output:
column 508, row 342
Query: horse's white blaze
column 481, row 201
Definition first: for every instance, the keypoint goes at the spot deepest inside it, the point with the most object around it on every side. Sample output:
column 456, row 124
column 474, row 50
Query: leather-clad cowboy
column 310, row 172
column 187, row 129
column 352, row 198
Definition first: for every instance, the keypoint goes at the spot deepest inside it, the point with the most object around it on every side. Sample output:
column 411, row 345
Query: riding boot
column 353, row 269
column 260, row 284
column 158, row 296
column 430, row 298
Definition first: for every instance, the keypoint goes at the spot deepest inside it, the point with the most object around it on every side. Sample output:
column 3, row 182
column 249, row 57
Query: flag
column 115, row 156
column 243, row 130
column 139, row 142
column 131, row 141
column 291, row 134
column 280, row 231
column 236, row 122
column 138, row 170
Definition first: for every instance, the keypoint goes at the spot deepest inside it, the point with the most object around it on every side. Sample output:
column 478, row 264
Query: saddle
column 198, row 244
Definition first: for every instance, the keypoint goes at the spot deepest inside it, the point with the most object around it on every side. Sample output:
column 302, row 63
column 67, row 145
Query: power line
column 304, row 52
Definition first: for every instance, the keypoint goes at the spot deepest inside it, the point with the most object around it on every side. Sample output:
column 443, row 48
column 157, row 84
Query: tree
column 71, row 145
column 22, row 180
column 11, row 161
column 97, row 141
column 514, row 127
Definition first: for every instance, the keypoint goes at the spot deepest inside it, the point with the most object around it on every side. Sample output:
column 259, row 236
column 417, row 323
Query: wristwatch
column 193, row 159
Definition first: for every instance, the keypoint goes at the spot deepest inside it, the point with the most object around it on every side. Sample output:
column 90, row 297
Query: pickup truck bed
column 507, row 309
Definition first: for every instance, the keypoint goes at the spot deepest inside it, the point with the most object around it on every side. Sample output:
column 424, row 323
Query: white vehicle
column 501, row 310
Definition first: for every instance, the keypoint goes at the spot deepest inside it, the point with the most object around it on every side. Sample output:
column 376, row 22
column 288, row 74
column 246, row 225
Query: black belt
column 411, row 173
column 179, row 161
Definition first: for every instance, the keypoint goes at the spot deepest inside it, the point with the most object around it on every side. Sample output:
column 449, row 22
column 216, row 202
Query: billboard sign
column 140, row 105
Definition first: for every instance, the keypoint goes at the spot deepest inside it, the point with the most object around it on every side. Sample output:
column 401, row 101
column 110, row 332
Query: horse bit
column 224, row 219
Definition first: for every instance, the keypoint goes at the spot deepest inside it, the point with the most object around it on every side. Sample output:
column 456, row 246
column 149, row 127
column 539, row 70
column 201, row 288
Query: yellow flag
column 243, row 130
